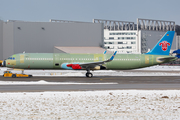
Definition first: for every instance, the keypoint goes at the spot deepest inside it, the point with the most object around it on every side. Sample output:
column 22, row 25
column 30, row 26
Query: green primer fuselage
column 55, row 60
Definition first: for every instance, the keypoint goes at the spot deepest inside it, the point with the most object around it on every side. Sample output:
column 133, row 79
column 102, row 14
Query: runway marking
column 42, row 82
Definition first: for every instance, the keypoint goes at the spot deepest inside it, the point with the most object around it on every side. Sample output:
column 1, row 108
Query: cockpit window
column 11, row 58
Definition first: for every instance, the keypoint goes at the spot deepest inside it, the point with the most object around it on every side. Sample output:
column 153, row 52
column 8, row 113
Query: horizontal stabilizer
column 167, row 58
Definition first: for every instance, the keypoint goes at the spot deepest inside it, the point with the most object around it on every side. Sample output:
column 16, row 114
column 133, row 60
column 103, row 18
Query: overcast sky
column 86, row 10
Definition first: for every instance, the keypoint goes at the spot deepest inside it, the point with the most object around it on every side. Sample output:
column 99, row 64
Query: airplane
column 158, row 55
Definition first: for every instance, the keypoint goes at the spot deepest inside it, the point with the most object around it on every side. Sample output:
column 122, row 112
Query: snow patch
column 42, row 82
column 101, row 105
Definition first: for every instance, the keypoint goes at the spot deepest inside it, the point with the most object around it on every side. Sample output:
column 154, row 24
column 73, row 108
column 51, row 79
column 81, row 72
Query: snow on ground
column 94, row 105
column 101, row 105
column 175, row 71
column 162, row 68
column 42, row 82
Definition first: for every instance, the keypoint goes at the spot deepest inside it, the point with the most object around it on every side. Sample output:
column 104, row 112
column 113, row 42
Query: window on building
column 111, row 42
column 120, row 42
column 111, row 38
column 129, row 47
column 107, row 47
column 134, row 47
column 118, row 33
column 111, row 47
column 133, row 42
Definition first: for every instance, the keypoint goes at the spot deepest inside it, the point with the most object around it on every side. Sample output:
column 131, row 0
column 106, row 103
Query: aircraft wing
column 90, row 65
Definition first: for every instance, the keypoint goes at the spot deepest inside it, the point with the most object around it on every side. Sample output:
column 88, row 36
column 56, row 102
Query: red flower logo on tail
column 164, row 45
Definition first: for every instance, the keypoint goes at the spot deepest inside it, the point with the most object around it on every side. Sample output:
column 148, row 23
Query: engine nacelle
column 99, row 68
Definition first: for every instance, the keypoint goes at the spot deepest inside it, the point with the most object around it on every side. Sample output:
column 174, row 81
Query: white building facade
column 122, row 41
column 128, row 37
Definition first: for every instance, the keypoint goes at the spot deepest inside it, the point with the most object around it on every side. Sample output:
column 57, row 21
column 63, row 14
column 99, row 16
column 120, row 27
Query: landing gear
column 89, row 74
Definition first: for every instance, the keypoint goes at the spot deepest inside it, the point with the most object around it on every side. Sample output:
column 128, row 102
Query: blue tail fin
column 163, row 47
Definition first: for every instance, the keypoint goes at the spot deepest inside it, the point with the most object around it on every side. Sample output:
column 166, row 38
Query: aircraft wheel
column 89, row 75
column 13, row 75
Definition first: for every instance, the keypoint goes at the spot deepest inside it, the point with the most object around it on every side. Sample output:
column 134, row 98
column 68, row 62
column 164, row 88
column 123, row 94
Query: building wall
column 1, row 39
column 41, row 37
column 8, row 40
column 178, row 42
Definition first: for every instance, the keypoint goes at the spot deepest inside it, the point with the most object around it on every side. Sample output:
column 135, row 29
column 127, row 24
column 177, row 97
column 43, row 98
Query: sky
column 87, row 10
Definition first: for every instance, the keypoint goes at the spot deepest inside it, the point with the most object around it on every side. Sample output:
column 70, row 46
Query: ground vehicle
column 14, row 75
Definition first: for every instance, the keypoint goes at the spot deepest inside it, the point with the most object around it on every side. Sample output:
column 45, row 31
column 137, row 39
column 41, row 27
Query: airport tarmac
column 121, row 82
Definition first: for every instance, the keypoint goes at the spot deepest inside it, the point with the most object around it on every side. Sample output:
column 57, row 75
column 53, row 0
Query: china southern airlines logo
column 164, row 45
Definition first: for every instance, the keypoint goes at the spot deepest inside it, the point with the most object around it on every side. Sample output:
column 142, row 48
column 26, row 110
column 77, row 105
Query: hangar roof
column 92, row 50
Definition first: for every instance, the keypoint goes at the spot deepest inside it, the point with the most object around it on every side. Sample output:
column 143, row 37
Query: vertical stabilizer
column 163, row 47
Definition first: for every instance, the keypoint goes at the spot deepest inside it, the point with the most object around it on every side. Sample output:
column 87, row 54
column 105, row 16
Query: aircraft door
column 23, row 60
column 151, row 59
column 148, row 59
column 56, row 60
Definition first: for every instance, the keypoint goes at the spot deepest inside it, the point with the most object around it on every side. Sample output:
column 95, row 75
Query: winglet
column 105, row 52
column 112, row 57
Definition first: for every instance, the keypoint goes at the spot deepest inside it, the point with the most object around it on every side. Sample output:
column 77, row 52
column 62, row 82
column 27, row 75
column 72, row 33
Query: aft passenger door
column 148, row 59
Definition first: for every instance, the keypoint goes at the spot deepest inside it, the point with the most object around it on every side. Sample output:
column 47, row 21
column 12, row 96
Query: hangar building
column 42, row 37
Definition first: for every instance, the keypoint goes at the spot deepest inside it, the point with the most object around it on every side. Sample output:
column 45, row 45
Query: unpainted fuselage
column 58, row 60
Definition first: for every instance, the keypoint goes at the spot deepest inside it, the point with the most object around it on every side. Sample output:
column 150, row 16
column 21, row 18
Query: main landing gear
column 89, row 74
